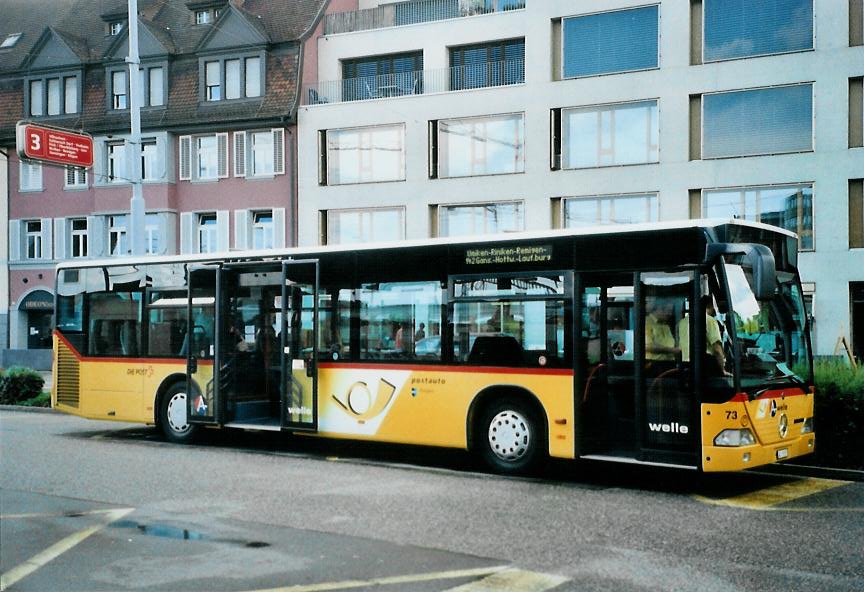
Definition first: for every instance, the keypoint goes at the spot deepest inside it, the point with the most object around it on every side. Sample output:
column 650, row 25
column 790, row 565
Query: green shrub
column 19, row 384
column 839, row 415
column 43, row 399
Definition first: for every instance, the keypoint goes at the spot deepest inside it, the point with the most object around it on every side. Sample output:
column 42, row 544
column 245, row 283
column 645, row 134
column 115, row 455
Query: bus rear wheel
column 510, row 436
column 173, row 416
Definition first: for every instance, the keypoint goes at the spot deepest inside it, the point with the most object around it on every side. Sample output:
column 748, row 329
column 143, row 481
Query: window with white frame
column 786, row 206
column 611, row 42
column 356, row 226
column 749, row 28
column 150, row 161
column 119, row 90
column 78, row 234
column 57, row 94
column 262, row 230
column 118, row 236
column 154, row 89
column 152, row 235
column 483, row 218
column 208, row 233
column 117, row 162
column 610, row 135
column 75, row 178
column 204, row 158
column 610, row 209
column 259, row 153
column 33, row 239
column 758, row 121
column 363, row 155
column 232, row 77
column 115, row 27
column 474, row 146
column 10, row 40
column 29, row 176
column 202, row 17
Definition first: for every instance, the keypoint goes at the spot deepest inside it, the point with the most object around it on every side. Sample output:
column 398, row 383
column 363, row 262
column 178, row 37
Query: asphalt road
column 99, row 506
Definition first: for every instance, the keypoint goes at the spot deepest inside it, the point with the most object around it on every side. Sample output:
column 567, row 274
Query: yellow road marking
column 40, row 559
column 73, row 514
column 513, row 580
column 770, row 497
column 390, row 581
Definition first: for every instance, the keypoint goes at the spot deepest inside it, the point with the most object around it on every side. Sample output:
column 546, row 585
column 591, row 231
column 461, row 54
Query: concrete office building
column 444, row 117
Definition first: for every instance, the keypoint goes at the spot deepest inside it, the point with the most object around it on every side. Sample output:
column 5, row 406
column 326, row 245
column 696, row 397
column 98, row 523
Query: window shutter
column 222, row 243
column 47, row 238
column 242, row 222
column 23, row 176
column 14, row 240
column 187, row 232
column 60, row 238
column 239, row 154
column 100, row 165
column 278, row 151
column 95, row 236
column 70, row 176
column 222, row 152
column 185, row 158
column 278, row 228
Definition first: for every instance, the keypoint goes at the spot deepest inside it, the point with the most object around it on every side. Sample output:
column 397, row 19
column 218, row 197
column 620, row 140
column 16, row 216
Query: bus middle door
column 299, row 339
column 201, row 345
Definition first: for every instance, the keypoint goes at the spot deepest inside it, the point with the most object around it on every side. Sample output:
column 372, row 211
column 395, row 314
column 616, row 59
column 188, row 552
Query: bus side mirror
column 758, row 258
column 761, row 261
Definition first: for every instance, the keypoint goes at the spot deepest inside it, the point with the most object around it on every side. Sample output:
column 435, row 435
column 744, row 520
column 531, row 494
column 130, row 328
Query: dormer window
column 57, row 94
column 234, row 77
column 115, row 28
column 10, row 40
column 202, row 17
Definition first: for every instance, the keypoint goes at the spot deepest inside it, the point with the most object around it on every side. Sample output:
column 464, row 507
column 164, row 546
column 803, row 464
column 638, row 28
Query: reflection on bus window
column 115, row 323
column 509, row 333
column 391, row 315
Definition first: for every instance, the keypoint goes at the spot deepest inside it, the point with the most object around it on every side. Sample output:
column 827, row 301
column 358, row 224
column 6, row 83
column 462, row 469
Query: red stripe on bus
column 776, row 394
column 431, row 368
column 82, row 358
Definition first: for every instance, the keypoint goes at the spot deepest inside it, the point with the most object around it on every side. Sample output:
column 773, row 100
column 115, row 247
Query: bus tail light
column 735, row 438
column 807, row 428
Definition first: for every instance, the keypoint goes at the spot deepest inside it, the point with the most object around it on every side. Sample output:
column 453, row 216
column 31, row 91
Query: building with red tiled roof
column 219, row 85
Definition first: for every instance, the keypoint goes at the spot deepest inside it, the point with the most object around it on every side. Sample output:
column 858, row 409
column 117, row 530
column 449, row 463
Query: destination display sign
column 53, row 145
column 508, row 254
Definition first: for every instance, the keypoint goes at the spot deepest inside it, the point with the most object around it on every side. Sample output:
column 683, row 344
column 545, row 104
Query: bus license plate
column 782, row 453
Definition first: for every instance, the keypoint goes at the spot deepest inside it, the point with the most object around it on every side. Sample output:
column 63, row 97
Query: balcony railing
column 412, row 12
column 419, row 82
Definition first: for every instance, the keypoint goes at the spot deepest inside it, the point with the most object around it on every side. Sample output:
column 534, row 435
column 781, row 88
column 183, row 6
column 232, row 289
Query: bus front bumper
column 727, row 458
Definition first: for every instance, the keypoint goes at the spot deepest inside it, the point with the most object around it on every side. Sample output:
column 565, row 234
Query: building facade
column 446, row 117
column 218, row 83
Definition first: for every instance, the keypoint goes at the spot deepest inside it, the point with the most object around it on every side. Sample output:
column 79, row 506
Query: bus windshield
column 773, row 346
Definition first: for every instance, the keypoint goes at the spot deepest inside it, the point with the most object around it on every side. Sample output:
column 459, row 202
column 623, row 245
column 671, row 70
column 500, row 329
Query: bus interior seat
column 496, row 350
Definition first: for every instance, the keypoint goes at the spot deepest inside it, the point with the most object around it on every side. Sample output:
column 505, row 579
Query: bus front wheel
column 175, row 424
column 510, row 436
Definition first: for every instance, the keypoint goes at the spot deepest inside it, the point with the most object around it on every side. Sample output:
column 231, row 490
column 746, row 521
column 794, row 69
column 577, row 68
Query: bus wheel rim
column 509, row 435
column 177, row 413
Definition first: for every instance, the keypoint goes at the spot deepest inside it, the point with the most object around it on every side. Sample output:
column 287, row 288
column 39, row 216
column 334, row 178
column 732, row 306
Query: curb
column 811, row 471
column 23, row 409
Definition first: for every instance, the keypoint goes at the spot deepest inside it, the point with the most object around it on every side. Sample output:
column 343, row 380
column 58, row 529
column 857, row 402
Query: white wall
column 831, row 266
column 4, row 250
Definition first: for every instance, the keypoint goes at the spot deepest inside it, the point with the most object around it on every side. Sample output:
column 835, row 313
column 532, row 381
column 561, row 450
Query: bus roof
column 461, row 240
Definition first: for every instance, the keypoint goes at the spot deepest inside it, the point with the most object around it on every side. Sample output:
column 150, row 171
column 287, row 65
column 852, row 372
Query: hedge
column 838, row 416
column 18, row 385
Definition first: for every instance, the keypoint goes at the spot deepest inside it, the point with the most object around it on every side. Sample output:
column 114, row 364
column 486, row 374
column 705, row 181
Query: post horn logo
column 359, row 402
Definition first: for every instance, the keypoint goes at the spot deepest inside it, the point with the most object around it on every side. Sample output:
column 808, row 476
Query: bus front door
column 201, row 345
column 299, row 339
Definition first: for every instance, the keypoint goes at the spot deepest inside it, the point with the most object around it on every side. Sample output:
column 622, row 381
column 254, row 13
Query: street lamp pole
column 133, row 146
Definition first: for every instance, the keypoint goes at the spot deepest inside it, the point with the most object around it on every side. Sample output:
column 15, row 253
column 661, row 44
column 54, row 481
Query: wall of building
column 830, row 267
column 4, row 252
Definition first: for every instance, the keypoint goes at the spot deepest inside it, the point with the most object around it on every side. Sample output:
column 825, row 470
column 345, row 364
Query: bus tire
column 172, row 415
column 510, row 436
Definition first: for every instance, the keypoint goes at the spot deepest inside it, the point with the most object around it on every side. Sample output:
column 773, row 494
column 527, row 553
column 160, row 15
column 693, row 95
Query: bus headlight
column 735, row 438
column 807, row 428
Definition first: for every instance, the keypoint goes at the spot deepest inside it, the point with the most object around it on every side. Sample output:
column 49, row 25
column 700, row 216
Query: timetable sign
column 53, row 145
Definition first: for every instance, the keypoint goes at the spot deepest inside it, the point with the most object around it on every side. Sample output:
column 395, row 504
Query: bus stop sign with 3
column 51, row 145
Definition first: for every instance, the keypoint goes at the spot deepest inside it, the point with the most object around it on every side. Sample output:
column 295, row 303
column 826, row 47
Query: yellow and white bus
column 681, row 344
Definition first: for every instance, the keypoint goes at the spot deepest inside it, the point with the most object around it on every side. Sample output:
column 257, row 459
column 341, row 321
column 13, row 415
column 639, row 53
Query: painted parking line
column 513, row 580
column 770, row 498
column 390, row 581
column 23, row 570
